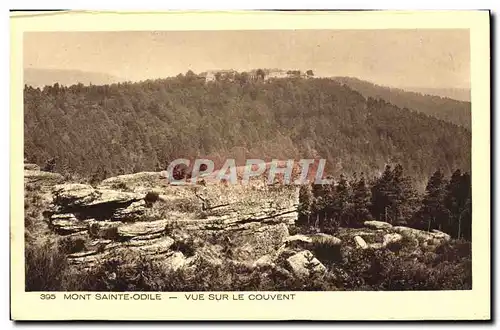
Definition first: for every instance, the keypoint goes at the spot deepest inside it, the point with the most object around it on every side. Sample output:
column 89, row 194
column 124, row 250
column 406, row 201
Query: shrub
column 120, row 186
column 186, row 246
column 70, row 245
column 45, row 265
column 151, row 198
column 326, row 248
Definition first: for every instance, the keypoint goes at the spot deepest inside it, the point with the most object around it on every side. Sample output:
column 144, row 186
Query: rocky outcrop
column 85, row 202
column 264, row 261
column 440, row 235
column 298, row 241
column 211, row 223
column 31, row 167
column 67, row 223
column 216, row 222
column 360, row 242
column 377, row 225
column 434, row 237
column 136, row 211
column 304, row 263
column 84, row 196
column 42, row 178
column 392, row 238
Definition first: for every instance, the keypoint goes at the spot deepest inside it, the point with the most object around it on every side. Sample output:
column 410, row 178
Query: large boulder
column 84, row 195
column 298, row 241
column 421, row 235
column 264, row 261
column 440, row 235
column 74, row 194
column 31, row 167
column 305, row 264
column 360, row 242
column 392, row 238
column 377, row 225
column 325, row 239
column 175, row 261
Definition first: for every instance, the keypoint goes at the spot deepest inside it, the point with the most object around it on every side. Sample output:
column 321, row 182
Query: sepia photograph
column 267, row 161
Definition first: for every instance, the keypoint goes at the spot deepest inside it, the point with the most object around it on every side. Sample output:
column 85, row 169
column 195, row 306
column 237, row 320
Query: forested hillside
column 122, row 128
column 453, row 111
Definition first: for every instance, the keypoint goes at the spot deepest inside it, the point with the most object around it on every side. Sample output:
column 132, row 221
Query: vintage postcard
column 250, row 165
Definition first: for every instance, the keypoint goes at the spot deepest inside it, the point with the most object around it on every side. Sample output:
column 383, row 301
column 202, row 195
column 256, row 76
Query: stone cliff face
column 214, row 222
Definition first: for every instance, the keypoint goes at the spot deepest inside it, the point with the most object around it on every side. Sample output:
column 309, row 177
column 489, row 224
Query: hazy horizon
column 397, row 58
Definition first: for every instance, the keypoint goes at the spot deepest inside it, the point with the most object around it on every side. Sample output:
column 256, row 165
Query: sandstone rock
column 419, row 234
column 159, row 246
column 298, row 241
column 377, row 224
column 105, row 196
column 133, row 180
column 304, row 263
column 360, row 242
column 31, row 167
column 248, row 227
column 103, row 229
column 81, row 254
column 391, row 239
column 82, row 195
column 440, row 235
column 264, row 261
column 142, row 228
column 176, row 261
column 254, row 242
column 43, row 178
column 73, row 194
column 67, row 223
column 325, row 239
column 133, row 212
column 376, row 246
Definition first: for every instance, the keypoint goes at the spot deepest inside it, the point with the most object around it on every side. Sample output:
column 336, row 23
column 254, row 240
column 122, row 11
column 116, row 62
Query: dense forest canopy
column 129, row 127
column 450, row 110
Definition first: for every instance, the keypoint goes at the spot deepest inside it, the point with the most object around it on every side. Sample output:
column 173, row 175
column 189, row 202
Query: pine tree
column 360, row 202
column 326, row 217
column 340, row 203
column 306, row 203
column 458, row 203
column 432, row 213
column 393, row 196
column 405, row 198
column 381, row 192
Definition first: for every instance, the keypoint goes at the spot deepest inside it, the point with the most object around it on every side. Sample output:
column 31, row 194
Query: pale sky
column 398, row 58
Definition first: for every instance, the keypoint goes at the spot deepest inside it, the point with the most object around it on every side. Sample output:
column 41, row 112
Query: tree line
column 446, row 204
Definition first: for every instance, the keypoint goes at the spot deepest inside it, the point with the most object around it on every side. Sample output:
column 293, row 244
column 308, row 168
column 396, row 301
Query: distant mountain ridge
column 444, row 108
column 43, row 77
column 459, row 94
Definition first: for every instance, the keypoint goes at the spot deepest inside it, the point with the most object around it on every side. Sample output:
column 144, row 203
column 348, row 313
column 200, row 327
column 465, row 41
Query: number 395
column 48, row 296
